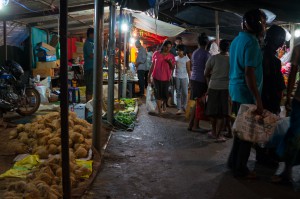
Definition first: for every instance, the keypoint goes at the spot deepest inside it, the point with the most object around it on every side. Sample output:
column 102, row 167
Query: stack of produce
column 126, row 116
column 45, row 182
column 42, row 137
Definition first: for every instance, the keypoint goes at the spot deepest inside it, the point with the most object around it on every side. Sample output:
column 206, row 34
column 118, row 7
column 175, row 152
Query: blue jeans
column 181, row 92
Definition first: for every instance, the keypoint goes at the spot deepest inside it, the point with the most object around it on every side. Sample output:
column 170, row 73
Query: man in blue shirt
column 88, row 51
column 245, row 85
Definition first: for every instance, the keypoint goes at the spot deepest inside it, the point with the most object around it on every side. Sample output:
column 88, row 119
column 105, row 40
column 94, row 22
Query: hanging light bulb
column 3, row 3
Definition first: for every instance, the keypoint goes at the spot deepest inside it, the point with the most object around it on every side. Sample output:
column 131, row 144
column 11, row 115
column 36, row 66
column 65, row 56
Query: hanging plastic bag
column 150, row 100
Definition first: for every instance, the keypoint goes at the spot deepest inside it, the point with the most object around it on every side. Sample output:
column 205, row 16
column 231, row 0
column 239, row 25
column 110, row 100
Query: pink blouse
column 162, row 70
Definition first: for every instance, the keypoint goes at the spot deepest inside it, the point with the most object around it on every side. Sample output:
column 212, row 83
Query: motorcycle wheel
column 29, row 103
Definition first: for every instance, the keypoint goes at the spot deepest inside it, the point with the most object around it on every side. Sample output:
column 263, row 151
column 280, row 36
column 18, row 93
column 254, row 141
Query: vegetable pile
column 42, row 137
column 127, row 116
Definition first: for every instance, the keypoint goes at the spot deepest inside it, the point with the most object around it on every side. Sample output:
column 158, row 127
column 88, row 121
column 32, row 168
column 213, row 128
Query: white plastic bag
column 253, row 128
column 150, row 100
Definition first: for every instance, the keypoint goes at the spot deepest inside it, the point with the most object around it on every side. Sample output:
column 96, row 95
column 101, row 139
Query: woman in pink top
column 163, row 63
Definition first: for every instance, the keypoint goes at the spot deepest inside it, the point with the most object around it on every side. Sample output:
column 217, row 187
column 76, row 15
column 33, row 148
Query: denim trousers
column 181, row 92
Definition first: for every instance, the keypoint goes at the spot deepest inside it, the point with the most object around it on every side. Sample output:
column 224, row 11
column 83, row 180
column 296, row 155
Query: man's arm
column 188, row 68
column 251, row 83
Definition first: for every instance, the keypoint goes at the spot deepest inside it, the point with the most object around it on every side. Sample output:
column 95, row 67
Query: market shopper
column 198, row 80
column 273, row 82
column 163, row 63
column 217, row 71
column 88, row 51
column 141, row 66
column 289, row 149
column 182, row 75
column 273, row 86
column 245, row 82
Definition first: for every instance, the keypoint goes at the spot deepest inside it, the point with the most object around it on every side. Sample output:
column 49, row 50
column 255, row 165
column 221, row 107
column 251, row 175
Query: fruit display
column 42, row 136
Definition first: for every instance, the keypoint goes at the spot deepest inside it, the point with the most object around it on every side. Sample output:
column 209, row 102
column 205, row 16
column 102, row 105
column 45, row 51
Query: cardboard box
column 43, row 72
column 76, row 55
column 40, row 65
column 46, row 47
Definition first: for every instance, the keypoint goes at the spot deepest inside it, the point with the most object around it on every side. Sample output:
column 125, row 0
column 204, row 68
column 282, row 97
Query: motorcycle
column 15, row 95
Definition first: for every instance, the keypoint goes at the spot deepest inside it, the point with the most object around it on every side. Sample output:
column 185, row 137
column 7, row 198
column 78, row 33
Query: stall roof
column 155, row 26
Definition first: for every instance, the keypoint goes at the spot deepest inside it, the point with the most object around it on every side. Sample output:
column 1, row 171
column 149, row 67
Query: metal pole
column 125, row 67
column 30, row 51
column 120, row 54
column 217, row 27
column 64, row 100
column 98, row 73
column 111, row 63
column 292, row 42
column 4, row 41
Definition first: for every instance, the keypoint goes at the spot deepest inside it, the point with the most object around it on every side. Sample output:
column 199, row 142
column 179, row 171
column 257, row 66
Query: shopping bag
column 150, row 100
column 254, row 128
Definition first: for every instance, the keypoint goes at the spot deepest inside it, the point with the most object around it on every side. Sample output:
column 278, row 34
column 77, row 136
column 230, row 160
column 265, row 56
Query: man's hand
column 259, row 107
column 169, row 61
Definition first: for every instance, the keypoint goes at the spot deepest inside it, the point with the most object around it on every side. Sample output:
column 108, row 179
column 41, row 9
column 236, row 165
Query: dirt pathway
column 161, row 159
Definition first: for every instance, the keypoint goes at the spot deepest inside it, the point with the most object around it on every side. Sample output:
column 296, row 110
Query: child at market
column 182, row 75
column 217, row 71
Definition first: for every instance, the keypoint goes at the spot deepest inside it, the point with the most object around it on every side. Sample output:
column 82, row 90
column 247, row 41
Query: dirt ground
column 161, row 159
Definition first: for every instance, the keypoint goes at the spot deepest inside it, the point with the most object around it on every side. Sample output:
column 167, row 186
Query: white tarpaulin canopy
column 155, row 26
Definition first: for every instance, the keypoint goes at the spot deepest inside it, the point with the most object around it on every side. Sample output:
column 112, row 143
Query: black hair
column 180, row 48
column 203, row 40
column 89, row 31
column 179, row 38
column 166, row 43
column 224, row 45
column 275, row 36
column 137, row 42
column 252, row 19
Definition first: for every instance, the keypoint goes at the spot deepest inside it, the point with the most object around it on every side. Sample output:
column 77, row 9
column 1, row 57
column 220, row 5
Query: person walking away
column 273, row 86
column 148, row 63
column 245, row 82
column 197, row 80
column 182, row 75
column 163, row 63
column 289, row 149
column 88, row 52
column 141, row 66
column 217, row 71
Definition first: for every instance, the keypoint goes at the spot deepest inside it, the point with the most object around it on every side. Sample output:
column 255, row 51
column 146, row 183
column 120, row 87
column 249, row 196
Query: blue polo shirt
column 244, row 52
column 88, row 49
